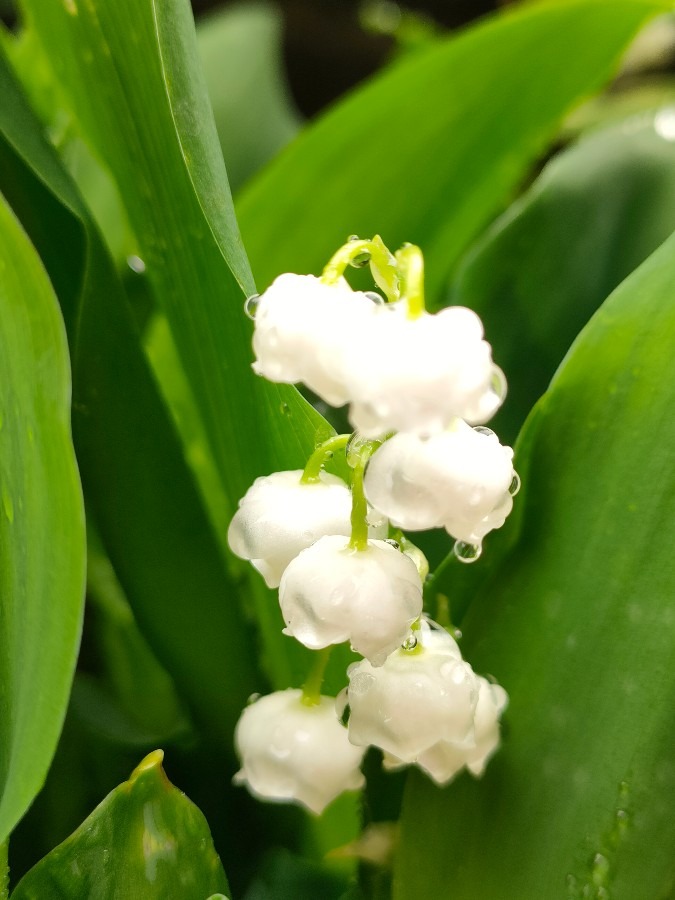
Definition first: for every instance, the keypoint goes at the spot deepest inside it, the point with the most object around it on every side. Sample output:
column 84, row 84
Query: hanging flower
column 417, row 374
column 279, row 516
column 294, row 751
column 455, row 478
column 304, row 330
column 332, row 593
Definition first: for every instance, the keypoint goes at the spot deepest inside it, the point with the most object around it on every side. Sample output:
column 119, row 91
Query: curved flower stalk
column 415, row 383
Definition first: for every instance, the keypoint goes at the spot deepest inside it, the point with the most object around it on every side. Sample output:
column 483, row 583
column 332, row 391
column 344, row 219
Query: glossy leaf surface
column 146, row 840
column 160, row 541
column 594, row 214
column 429, row 151
column 577, row 624
column 42, row 537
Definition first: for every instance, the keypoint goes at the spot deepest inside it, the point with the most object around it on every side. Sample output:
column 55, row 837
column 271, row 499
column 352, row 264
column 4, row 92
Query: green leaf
column 240, row 51
column 159, row 540
column 42, row 537
column 594, row 215
column 130, row 70
column 577, row 624
column 146, row 840
column 429, row 151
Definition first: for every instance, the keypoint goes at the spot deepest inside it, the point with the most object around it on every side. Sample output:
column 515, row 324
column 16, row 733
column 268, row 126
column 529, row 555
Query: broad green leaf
column 135, row 476
column 577, row 624
column 594, row 214
column 131, row 73
column 42, row 537
column 432, row 149
column 146, row 840
column 240, row 51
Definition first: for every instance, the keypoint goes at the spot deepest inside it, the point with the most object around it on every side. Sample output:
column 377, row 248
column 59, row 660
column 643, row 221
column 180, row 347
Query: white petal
column 294, row 752
column 331, row 593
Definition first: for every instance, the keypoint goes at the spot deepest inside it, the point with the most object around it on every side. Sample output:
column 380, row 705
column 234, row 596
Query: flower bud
column 291, row 751
column 332, row 593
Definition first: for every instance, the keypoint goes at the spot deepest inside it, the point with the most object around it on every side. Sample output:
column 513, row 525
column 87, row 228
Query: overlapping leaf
column 42, row 539
column 577, row 623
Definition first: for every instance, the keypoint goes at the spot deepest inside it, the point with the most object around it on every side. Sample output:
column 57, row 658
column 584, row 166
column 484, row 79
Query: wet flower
column 331, row 593
column 456, row 478
column 304, row 331
column 296, row 752
column 416, row 375
column 279, row 516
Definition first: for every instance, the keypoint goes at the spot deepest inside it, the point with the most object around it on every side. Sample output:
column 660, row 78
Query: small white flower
column 278, row 517
column 304, row 330
column 446, row 758
column 456, row 478
column 331, row 593
column 296, row 752
column 416, row 699
column 417, row 374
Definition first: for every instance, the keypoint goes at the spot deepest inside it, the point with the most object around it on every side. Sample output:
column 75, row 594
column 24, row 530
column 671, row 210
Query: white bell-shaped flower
column 454, row 478
column 279, row 516
column 304, row 330
column 332, row 593
column 447, row 758
column 291, row 751
column 471, row 531
column 416, row 699
column 416, row 375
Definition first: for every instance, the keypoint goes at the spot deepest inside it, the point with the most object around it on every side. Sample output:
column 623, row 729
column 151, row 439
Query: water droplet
column 409, row 643
column 252, row 699
column 393, row 543
column 360, row 260
column 514, row 487
column 467, row 553
column 498, row 382
column 664, row 123
column 352, row 238
column 136, row 264
column 355, row 449
column 251, row 305
column 285, row 409
column 7, row 505
column 483, row 429
column 456, row 633
column 376, row 298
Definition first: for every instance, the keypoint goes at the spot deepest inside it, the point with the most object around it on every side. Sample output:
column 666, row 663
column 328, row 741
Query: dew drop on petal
column 467, row 553
column 136, row 264
column 514, row 487
column 376, row 298
column 393, row 543
column 483, row 429
column 251, row 305
column 410, row 642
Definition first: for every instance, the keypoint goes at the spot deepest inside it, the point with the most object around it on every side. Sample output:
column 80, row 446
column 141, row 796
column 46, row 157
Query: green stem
column 411, row 266
column 311, row 689
column 320, row 456
column 359, row 538
column 430, row 585
column 382, row 264
column 4, row 870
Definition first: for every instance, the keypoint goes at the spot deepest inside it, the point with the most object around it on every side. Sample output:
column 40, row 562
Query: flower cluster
column 419, row 388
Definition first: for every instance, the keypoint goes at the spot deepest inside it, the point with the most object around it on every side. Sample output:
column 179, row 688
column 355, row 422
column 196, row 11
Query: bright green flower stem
column 382, row 264
column 359, row 538
column 321, row 455
column 411, row 266
column 311, row 689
